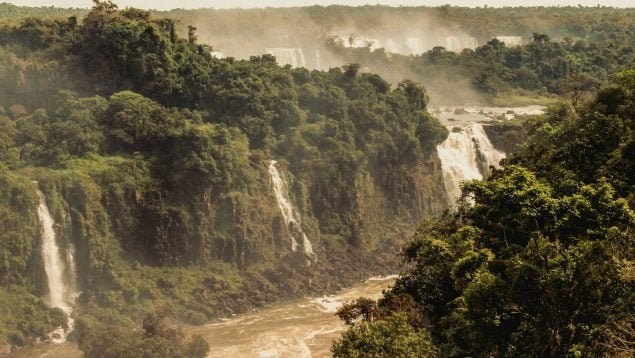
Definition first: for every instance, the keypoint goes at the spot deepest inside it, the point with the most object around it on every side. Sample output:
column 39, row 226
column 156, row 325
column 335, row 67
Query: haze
column 223, row 4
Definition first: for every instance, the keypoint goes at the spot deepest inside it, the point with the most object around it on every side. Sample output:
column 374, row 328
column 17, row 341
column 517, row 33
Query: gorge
column 184, row 190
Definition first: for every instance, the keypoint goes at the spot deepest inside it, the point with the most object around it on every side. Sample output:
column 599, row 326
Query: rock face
column 245, row 228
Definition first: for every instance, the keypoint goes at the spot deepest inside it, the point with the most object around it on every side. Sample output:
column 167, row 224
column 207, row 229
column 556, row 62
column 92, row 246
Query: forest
column 154, row 158
column 564, row 50
column 539, row 259
column 541, row 71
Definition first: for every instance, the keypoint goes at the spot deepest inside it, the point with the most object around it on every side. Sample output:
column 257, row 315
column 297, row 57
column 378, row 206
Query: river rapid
column 294, row 328
column 303, row 327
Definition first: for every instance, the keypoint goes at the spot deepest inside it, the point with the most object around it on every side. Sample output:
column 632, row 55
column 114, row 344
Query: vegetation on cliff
column 153, row 159
column 497, row 73
column 153, row 155
column 541, row 262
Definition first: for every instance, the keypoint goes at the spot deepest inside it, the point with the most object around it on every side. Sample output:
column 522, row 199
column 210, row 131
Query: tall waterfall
column 60, row 279
column 466, row 154
column 288, row 214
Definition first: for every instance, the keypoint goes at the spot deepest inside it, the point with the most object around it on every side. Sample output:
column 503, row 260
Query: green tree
column 392, row 337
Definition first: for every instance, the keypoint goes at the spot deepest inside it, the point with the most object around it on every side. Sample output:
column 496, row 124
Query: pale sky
column 224, row 4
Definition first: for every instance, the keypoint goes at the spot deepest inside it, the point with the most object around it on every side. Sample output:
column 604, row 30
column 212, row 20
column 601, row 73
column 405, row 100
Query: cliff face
column 211, row 254
column 242, row 228
column 115, row 221
column 154, row 164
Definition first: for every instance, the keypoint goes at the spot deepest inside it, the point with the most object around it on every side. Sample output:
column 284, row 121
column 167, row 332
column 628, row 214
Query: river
column 294, row 328
column 303, row 327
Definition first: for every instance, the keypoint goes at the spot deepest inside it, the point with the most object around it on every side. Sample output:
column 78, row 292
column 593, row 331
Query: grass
column 521, row 99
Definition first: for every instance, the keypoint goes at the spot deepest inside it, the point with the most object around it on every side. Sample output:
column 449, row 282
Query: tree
column 392, row 337
column 541, row 263
column 157, row 340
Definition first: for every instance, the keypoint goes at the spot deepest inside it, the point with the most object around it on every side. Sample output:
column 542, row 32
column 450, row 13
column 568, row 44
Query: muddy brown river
column 303, row 327
column 295, row 328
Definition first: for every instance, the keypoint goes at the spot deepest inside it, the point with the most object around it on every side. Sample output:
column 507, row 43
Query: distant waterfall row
column 292, row 222
column 466, row 154
column 59, row 265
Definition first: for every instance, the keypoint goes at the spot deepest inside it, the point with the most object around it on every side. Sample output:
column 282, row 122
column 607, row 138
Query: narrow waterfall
column 318, row 61
column 288, row 214
column 60, row 279
column 466, row 154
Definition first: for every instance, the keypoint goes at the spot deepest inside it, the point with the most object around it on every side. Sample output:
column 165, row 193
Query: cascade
column 453, row 44
column 390, row 46
column 466, row 154
column 288, row 214
column 414, row 45
column 510, row 40
column 318, row 61
column 470, row 42
column 301, row 60
column 60, row 279
column 288, row 56
column 217, row 54
column 456, row 44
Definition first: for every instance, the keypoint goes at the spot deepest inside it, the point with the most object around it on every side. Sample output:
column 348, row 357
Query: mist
column 227, row 4
column 306, row 37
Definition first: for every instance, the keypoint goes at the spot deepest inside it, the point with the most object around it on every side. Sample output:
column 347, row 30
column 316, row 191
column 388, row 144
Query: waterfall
column 414, row 45
column 60, row 279
column 300, row 56
column 217, row 54
column 453, row 44
column 466, row 154
column 318, row 61
column 288, row 56
column 288, row 214
column 510, row 41
column 456, row 44
column 470, row 42
column 390, row 46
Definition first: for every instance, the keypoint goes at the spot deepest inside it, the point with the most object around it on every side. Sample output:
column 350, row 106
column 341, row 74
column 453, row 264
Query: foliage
column 392, row 337
column 24, row 317
column 497, row 72
column 568, row 50
column 540, row 263
column 158, row 339
column 153, row 156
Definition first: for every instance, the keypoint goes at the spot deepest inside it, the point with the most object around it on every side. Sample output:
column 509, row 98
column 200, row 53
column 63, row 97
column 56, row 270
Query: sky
column 224, row 4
